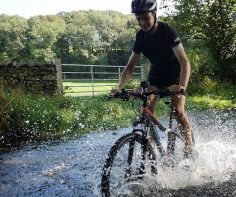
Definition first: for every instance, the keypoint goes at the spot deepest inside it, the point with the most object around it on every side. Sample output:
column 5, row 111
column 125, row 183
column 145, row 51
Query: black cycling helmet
column 139, row 6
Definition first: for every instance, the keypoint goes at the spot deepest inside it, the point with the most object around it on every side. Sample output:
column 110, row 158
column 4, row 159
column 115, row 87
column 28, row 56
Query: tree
column 12, row 38
column 220, row 31
column 85, row 37
column 97, row 37
column 212, row 24
column 44, row 32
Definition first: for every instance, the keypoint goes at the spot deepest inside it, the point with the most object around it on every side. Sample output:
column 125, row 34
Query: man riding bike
column 170, row 67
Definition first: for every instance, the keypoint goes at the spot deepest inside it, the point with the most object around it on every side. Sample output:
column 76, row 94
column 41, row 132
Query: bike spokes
column 126, row 164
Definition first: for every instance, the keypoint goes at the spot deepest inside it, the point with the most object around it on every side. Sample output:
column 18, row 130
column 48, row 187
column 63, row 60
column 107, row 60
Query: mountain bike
column 138, row 152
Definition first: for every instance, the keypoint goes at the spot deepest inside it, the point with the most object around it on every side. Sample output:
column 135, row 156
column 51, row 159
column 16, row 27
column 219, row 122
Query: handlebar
column 125, row 95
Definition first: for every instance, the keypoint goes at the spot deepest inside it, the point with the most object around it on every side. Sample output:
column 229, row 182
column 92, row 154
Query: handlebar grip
column 183, row 92
column 111, row 96
column 124, row 95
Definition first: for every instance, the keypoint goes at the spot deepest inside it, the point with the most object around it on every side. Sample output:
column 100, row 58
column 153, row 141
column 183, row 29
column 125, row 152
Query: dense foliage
column 207, row 29
column 85, row 37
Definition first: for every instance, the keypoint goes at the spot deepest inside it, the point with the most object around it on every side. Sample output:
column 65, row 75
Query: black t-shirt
column 157, row 47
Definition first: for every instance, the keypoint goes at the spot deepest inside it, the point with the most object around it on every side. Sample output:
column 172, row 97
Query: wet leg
column 152, row 100
column 178, row 103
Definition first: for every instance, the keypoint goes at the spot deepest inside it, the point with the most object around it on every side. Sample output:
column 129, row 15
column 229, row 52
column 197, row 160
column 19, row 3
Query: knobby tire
column 131, row 140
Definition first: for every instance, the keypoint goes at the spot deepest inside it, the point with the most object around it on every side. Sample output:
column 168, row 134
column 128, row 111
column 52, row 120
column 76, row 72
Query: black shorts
column 162, row 77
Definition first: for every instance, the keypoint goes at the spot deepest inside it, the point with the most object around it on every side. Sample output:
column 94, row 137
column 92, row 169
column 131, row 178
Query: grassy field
column 86, row 88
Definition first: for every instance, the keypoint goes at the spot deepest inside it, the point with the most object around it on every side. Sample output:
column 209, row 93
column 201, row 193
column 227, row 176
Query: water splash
column 215, row 163
column 73, row 168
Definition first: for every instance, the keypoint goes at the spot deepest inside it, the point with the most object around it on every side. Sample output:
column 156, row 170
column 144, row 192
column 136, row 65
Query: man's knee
column 178, row 114
column 181, row 117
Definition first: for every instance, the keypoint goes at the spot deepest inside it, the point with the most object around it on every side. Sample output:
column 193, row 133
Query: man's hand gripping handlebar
column 125, row 95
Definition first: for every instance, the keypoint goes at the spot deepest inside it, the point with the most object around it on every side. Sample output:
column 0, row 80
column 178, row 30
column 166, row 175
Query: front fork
column 171, row 136
column 131, row 154
column 145, row 153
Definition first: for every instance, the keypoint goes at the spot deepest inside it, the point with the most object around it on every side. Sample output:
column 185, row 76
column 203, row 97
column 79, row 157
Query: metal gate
column 94, row 79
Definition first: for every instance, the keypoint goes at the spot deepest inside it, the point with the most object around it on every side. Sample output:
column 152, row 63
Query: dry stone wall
column 34, row 78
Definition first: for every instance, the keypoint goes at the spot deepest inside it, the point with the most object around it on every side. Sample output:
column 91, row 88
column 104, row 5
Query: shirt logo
column 176, row 39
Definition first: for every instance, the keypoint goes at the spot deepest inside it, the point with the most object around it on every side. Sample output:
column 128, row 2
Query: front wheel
column 127, row 159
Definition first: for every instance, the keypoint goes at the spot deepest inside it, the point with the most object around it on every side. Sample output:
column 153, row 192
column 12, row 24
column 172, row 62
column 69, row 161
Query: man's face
column 145, row 20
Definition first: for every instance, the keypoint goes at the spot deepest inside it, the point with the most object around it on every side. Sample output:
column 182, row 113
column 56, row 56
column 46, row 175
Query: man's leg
column 178, row 102
column 152, row 99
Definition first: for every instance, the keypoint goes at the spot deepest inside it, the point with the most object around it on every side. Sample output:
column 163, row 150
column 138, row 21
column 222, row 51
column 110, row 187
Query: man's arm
column 184, row 63
column 129, row 69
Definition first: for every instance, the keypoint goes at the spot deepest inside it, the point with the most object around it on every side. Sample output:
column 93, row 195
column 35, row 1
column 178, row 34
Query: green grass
column 211, row 94
column 206, row 102
column 83, row 88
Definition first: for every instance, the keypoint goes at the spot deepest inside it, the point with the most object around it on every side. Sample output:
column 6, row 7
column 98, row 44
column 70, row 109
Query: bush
column 27, row 117
column 201, row 60
column 37, row 117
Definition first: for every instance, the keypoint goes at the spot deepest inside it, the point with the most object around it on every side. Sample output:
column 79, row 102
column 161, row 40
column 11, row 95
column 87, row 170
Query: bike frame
column 148, row 123
column 147, row 137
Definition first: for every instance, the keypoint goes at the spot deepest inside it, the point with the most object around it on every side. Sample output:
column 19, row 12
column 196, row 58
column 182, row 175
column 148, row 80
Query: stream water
column 73, row 167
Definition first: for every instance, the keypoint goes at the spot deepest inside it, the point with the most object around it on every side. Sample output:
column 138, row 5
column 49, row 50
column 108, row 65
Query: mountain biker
column 170, row 67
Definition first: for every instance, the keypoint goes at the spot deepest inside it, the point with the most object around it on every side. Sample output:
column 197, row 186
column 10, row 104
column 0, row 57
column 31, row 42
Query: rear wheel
column 128, row 159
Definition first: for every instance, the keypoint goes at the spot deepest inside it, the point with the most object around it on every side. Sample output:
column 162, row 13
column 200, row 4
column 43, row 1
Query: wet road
column 73, row 168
